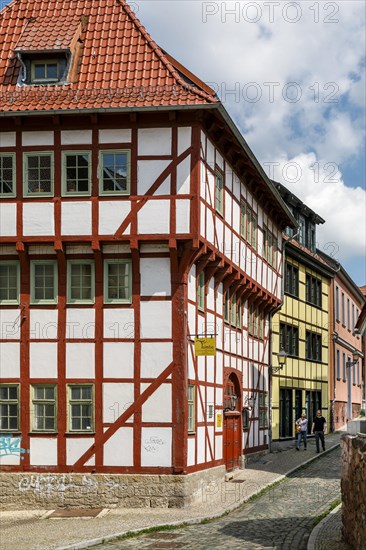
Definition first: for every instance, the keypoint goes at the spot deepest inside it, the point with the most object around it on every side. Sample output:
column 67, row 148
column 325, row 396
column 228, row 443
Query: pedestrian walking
column 318, row 428
column 302, row 424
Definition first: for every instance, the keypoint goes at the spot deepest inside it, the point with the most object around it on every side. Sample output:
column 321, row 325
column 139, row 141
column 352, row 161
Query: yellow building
column 301, row 328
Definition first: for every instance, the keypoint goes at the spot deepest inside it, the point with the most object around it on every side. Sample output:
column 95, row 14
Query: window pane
column 86, row 392
column 75, row 392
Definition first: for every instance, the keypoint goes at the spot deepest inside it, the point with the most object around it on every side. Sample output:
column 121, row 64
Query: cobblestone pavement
column 330, row 535
column 282, row 517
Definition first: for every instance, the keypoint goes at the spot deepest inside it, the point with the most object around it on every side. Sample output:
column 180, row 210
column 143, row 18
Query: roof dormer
column 48, row 51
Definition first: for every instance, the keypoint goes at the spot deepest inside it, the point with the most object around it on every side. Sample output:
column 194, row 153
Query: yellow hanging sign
column 204, row 346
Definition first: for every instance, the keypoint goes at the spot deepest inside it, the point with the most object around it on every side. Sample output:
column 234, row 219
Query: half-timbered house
column 133, row 218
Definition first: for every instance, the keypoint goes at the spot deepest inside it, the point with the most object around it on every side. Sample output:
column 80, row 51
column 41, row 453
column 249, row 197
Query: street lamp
column 349, row 364
column 281, row 357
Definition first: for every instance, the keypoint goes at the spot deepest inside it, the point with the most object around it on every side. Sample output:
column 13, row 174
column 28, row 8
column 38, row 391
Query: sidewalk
column 35, row 531
column 327, row 535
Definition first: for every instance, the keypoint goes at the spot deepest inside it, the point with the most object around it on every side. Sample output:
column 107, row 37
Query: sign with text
column 204, row 346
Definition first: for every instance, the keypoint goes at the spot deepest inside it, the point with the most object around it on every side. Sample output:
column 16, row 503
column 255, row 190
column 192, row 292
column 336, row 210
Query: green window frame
column 201, row 291
column 219, row 192
column 270, row 247
column 80, row 401
column 80, row 282
column 9, row 282
column 263, row 410
column 76, row 173
column 239, row 320
column 43, row 288
column 117, row 281
column 248, row 224
column 45, row 70
column 44, row 408
column 227, row 307
column 9, row 407
column 38, row 173
column 234, row 311
column 7, row 175
column 114, row 172
column 191, row 408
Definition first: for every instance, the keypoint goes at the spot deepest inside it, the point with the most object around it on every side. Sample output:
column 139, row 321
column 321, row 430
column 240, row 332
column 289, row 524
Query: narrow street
column 282, row 517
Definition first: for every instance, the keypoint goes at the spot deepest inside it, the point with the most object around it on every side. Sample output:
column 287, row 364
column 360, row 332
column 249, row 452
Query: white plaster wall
column 118, row 450
column 192, row 283
column 5, row 250
column 43, row 324
column 156, row 319
column 156, row 447
column 219, row 304
column 219, row 160
column 210, row 157
column 76, row 218
column 9, row 324
column 115, row 136
column 184, row 176
column 218, row 447
column 210, row 301
column 220, row 235
column 236, row 187
column 76, row 137
column 7, row 139
column 201, row 444
column 203, row 171
column 79, row 249
column 80, row 360
column 211, row 439
column 191, row 451
column 154, row 141
column 201, row 393
column 118, row 359
column 184, row 139
column 154, row 217
column 43, row 360
column 9, row 360
column 210, row 362
column 219, row 368
column 158, row 407
column 43, row 451
column 11, row 460
column 201, row 370
column 116, row 249
column 182, row 216
column 118, row 323
column 38, row 218
column 76, row 447
column 155, row 357
column 228, row 205
column 80, row 323
column 192, row 330
column 155, row 277
column 8, row 219
column 203, row 220
column 37, row 138
column 191, row 371
column 111, row 215
column 39, row 250
column 117, row 398
column 210, row 189
column 210, row 228
column 219, row 397
column 148, row 172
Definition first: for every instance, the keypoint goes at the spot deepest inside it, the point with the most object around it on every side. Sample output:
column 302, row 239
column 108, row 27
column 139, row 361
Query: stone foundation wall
column 21, row 491
column 353, row 486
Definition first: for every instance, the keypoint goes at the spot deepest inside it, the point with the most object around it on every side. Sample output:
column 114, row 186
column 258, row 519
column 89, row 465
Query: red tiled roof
column 120, row 65
column 39, row 35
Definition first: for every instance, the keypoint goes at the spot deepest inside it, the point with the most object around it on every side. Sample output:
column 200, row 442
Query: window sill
column 67, row 434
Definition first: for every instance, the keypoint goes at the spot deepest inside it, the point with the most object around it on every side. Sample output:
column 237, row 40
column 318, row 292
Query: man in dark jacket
column 318, row 428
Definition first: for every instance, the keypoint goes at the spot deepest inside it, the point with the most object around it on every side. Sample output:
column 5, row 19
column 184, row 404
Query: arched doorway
column 232, row 422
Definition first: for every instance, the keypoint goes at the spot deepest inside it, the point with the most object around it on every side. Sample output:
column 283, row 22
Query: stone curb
column 192, row 521
column 315, row 532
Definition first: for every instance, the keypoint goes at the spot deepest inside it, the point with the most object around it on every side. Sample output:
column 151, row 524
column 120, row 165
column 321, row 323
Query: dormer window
column 45, row 71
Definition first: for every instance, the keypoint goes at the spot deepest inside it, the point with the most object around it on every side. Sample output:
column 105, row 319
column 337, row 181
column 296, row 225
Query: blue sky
column 292, row 76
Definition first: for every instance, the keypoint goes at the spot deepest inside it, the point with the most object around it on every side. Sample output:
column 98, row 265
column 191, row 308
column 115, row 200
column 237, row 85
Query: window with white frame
column 80, row 281
column 7, row 174
column 76, row 172
column 9, row 282
column 38, row 173
column 9, row 407
column 117, row 281
column 44, row 415
column 81, row 408
column 114, row 172
column 191, row 408
column 219, row 196
column 45, row 70
column 43, row 282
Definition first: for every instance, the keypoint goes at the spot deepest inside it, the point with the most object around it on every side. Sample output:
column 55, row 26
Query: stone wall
column 48, row 491
column 353, row 486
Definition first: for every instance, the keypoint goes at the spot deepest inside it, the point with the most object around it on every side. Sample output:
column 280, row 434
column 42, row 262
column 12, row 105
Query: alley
column 281, row 517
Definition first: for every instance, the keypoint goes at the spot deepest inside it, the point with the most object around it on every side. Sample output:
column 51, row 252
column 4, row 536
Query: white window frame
column 13, row 170
column 26, row 191
column 16, row 264
column 70, row 402
column 70, row 300
column 100, row 171
column 64, row 191
column 11, row 402
column 44, row 62
column 191, row 397
column 33, row 299
column 108, row 300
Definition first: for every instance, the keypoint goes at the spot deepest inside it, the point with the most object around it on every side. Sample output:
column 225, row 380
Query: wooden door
column 232, row 440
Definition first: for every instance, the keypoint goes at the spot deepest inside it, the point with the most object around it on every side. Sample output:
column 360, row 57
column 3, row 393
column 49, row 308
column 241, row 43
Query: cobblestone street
column 282, row 517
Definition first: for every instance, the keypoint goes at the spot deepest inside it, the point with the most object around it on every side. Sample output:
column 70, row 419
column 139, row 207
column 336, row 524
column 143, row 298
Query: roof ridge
column 159, row 52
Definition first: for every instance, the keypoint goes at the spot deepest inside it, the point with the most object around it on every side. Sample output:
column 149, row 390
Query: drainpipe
column 284, row 243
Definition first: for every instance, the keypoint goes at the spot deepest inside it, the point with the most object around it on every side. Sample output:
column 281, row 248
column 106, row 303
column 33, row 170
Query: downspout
column 284, row 243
